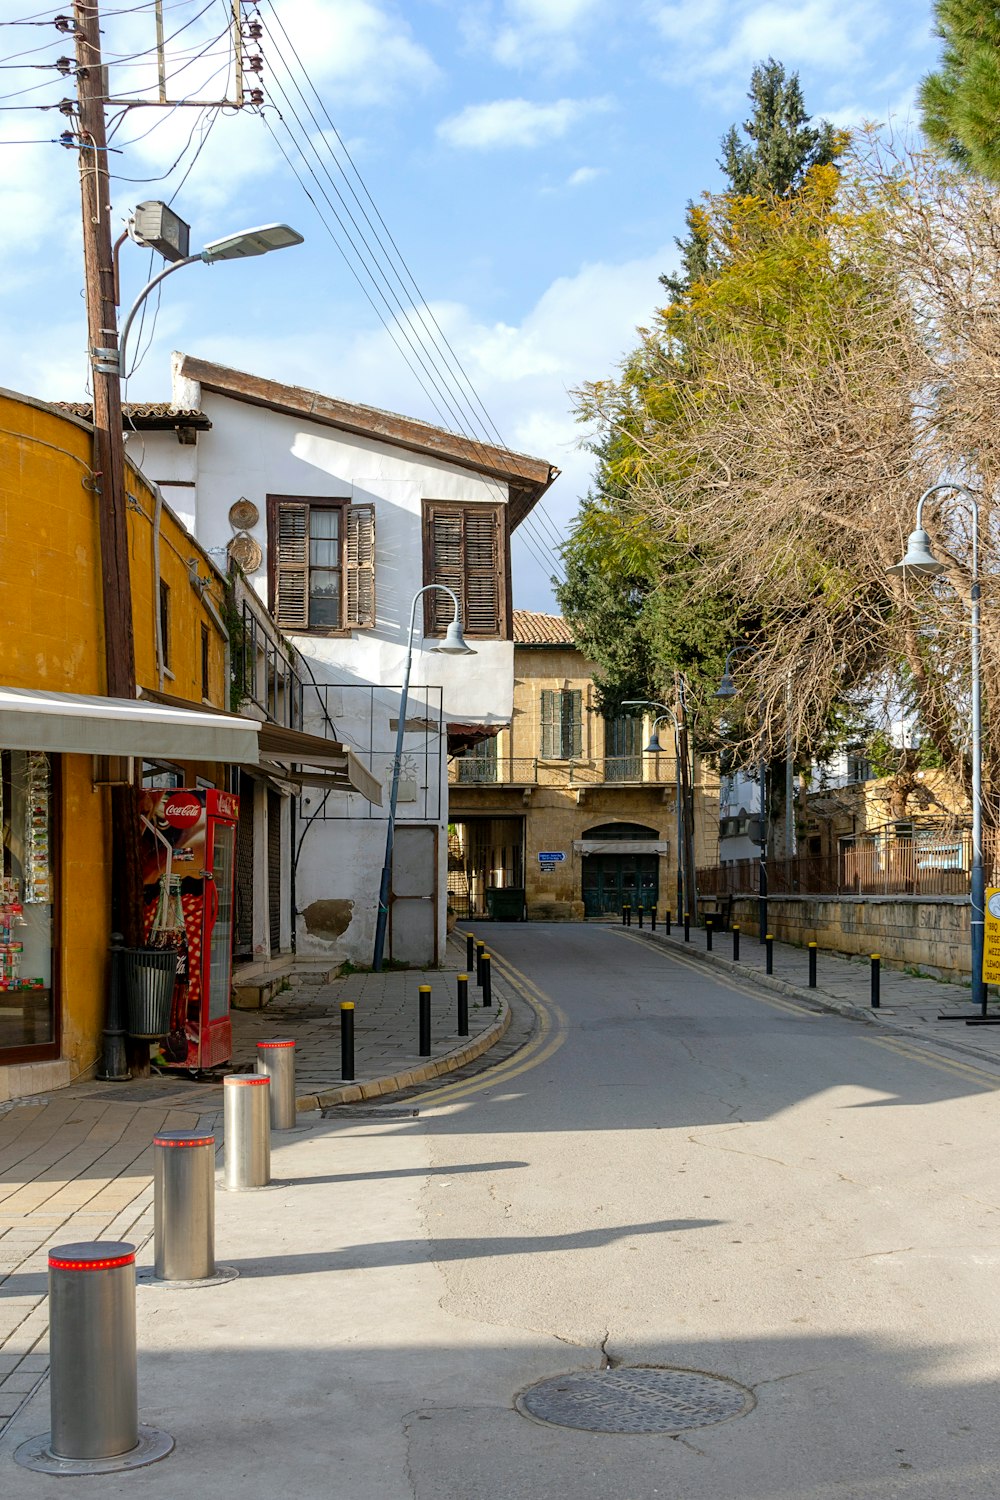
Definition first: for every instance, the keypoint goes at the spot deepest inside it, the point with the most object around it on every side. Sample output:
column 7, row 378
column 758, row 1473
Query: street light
column 921, row 560
column 725, row 691
column 454, row 644
column 655, row 748
column 232, row 247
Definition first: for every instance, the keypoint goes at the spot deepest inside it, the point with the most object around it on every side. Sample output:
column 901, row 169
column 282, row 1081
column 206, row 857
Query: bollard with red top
column 183, row 1206
column 247, row 1115
column 276, row 1061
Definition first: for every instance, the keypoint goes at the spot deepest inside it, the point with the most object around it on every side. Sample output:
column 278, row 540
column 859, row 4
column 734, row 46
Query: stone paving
column 77, row 1164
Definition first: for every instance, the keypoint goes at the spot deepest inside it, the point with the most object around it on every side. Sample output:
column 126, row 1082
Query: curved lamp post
column 725, row 691
column 232, row 247
column 921, row 560
column 454, row 644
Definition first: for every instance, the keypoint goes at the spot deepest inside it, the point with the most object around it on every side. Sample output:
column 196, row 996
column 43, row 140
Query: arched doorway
column 614, row 873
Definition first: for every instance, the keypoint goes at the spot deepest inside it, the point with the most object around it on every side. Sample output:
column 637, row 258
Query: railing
column 619, row 770
column 263, row 668
column 919, row 866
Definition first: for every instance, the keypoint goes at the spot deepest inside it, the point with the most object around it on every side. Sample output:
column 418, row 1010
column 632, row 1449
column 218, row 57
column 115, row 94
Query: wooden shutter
column 447, row 566
column 549, row 699
column 360, row 566
column 573, row 712
column 291, row 571
column 483, row 580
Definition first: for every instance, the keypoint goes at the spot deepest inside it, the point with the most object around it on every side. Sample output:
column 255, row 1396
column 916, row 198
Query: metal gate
column 243, row 921
column 274, row 870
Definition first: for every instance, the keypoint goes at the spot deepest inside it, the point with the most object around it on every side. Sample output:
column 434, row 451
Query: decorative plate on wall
column 243, row 514
column 246, row 552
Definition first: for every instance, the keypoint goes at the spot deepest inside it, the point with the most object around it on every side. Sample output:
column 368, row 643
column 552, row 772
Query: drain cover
column 635, row 1398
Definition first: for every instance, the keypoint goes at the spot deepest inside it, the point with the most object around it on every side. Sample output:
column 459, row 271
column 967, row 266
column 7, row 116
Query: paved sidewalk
column 77, row 1164
column 910, row 1003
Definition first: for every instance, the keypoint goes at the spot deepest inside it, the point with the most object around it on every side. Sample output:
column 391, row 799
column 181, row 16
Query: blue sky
column 530, row 158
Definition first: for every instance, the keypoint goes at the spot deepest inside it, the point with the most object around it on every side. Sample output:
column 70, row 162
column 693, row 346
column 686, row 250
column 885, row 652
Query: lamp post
column 725, row 691
column 920, row 559
column 232, row 247
column 454, row 644
column 655, row 748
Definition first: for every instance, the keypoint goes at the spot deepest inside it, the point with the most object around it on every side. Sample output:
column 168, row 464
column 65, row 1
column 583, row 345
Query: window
column 464, row 548
column 562, row 724
column 165, row 622
column 204, row 663
column 321, row 562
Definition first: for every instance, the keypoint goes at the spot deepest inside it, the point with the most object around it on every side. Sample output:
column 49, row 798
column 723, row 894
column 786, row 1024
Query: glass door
column 219, row 893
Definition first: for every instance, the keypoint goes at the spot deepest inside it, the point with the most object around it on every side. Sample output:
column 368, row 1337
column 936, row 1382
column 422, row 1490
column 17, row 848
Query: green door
column 609, row 880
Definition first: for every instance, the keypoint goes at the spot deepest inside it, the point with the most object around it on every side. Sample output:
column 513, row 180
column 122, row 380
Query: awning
column 465, row 736
column 79, row 724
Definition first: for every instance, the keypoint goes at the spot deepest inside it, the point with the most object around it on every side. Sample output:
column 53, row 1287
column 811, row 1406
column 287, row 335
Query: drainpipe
column 157, row 622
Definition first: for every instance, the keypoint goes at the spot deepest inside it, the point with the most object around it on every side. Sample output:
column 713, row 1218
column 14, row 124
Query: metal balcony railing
column 623, row 770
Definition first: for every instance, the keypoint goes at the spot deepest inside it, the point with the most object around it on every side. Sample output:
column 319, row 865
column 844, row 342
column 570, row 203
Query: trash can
column 147, row 980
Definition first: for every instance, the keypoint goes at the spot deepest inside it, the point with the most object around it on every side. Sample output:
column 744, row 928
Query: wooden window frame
column 343, row 505
column 561, row 726
column 501, row 516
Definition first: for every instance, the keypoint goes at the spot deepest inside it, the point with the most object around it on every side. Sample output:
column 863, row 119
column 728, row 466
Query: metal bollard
column 463, row 1005
column 736, row 942
column 876, row 981
column 183, row 1206
column 687, row 926
column 769, row 953
column 640, row 918
column 666, row 921
column 425, row 1020
column 627, row 913
column 347, row 1040
column 480, row 950
column 276, row 1061
column 470, row 950
column 709, row 929
column 812, row 966
column 487, row 980
column 652, row 919
column 94, row 1390
column 247, row 1116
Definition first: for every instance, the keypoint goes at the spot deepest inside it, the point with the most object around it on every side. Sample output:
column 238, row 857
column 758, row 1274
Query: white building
column 340, row 514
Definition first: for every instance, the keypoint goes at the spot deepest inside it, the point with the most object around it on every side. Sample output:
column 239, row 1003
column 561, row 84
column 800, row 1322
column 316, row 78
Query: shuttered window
column 464, row 550
column 321, row 560
column 562, row 724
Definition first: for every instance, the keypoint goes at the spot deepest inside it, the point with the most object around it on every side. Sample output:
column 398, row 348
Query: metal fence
column 618, row 770
column 931, row 863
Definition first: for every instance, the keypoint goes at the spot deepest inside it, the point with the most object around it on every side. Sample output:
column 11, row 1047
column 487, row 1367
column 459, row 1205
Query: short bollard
column 666, row 921
column 247, row 1116
column 769, row 953
column 687, row 926
column 627, row 914
column 736, row 942
column 183, row 1206
column 93, row 1385
column 876, row 981
column 652, row 919
column 487, row 980
column 276, row 1061
column 425, row 1020
column 347, row 1040
column 812, row 966
column 480, row 950
column 470, row 950
column 463, row 1005
column 709, row 929
column 640, row 918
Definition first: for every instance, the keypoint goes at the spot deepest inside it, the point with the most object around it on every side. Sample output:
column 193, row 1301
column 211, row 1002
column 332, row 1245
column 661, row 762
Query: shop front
column 29, row 979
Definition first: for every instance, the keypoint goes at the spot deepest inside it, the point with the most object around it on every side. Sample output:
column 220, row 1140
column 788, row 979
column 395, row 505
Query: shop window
column 562, row 724
column 321, row 561
column 464, row 550
column 27, row 906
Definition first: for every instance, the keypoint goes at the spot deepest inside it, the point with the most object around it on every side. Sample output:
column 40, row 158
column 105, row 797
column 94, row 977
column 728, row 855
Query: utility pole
column 687, row 796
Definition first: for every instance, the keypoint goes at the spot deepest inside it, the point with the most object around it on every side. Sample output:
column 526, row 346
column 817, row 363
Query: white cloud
column 710, row 39
column 546, row 32
column 583, row 175
column 515, row 122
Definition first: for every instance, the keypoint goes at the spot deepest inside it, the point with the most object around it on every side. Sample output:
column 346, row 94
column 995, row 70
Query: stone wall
column 930, row 933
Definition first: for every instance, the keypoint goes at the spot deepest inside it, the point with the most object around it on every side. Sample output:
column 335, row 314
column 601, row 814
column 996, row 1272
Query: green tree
column 961, row 101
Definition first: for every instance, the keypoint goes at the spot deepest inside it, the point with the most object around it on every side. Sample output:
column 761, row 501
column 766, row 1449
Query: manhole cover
column 635, row 1398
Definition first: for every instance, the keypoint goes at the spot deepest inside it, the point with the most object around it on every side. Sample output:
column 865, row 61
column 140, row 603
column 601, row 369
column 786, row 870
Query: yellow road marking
column 739, row 983
column 914, row 1052
column 553, row 1027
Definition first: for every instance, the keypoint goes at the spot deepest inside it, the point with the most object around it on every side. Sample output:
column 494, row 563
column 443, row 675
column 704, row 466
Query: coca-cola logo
column 181, row 812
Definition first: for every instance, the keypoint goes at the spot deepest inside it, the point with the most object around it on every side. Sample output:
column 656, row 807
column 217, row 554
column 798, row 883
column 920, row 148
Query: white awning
column 79, row 724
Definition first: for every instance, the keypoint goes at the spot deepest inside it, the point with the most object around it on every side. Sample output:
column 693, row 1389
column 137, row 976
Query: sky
column 488, row 190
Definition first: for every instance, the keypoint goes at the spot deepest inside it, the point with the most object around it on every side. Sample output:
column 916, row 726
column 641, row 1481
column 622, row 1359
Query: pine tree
column 961, row 101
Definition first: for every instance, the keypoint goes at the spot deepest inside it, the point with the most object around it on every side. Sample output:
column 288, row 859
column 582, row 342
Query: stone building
column 560, row 814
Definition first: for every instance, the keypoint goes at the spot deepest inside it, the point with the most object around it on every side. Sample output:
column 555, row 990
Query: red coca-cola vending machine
column 188, row 849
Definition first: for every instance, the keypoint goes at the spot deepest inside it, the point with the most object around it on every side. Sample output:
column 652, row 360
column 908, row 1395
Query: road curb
column 394, row 1083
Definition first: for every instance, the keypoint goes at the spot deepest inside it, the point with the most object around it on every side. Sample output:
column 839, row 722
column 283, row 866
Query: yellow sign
column 991, row 950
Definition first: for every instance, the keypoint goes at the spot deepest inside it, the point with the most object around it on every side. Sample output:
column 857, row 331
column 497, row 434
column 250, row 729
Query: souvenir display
column 38, row 859
column 11, row 949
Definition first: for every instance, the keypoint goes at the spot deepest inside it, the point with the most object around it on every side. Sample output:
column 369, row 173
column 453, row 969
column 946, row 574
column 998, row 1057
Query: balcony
column 534, row 771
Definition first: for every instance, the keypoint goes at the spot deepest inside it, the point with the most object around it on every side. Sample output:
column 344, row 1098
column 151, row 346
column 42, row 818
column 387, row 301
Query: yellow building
column 61, row 744
column 562, row 816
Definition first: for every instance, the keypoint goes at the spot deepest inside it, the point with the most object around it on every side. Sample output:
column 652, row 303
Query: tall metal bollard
column 709, row 929
column 736, row 942
column 480, row 950
column 666, row 921
column 94, row 1390
column 487, row 980
column 627, row 913
column 470, row 950
column 812, row 966
column 247, row 1115
column 183, row 1206
column 876, row 981
column 640, row 917
column 347, row 1040
column 652, row 919
column 687, row 926
column 769, row 953
column 463, row 1005
column 425, row 1020
column 276, row 1061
